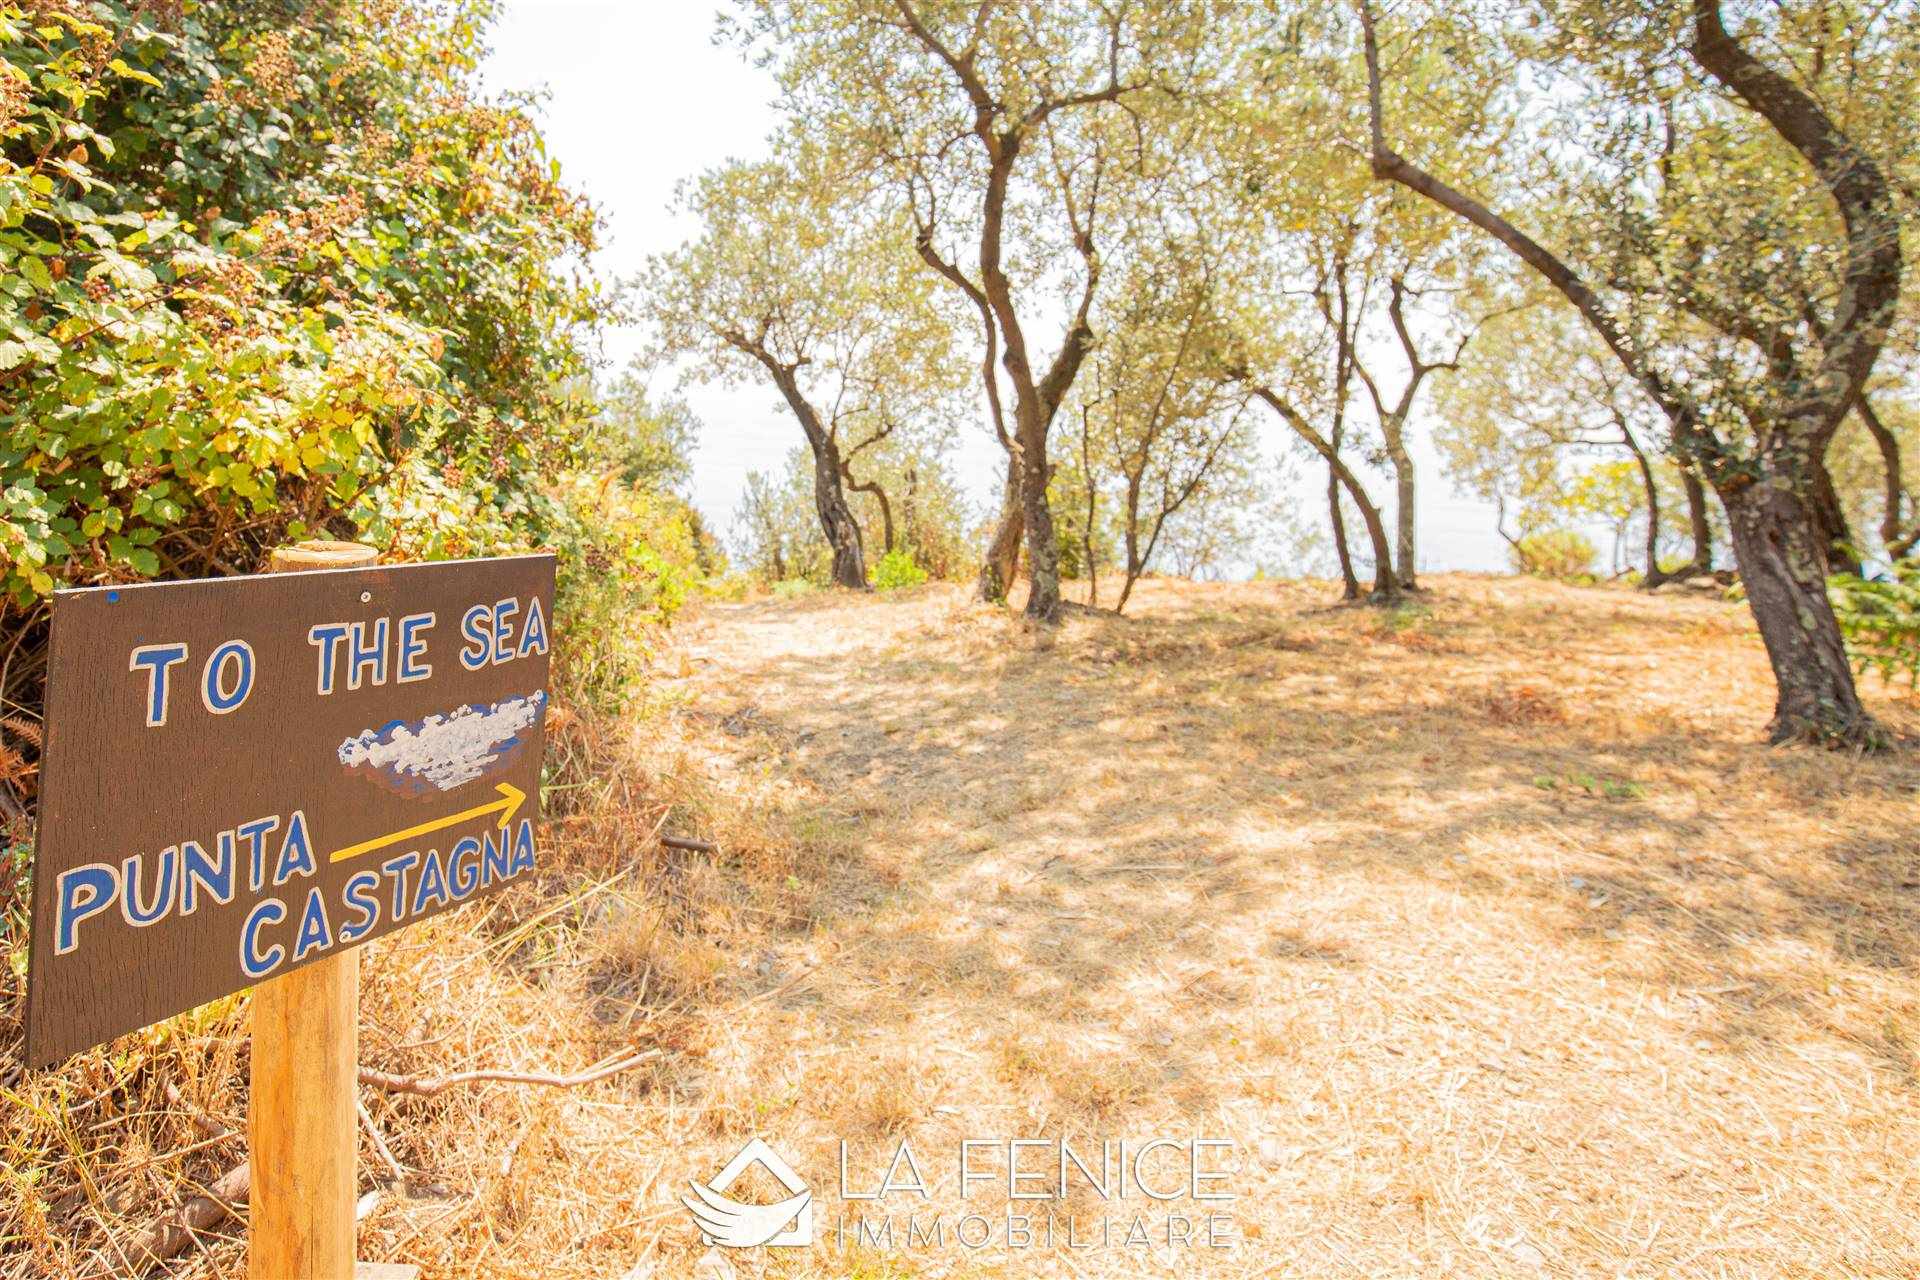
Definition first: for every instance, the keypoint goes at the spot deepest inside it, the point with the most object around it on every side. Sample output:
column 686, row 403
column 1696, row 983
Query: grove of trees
column 1639, row 264
column 1630, row 271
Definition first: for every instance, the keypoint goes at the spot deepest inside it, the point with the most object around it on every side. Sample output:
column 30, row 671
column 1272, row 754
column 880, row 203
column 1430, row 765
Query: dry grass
column 1487, row 928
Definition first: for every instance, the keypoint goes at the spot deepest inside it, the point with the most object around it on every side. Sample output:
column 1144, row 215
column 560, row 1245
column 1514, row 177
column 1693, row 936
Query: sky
column 636, row 96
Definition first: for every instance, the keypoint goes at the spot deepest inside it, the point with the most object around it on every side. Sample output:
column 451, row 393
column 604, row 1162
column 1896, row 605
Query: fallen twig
column 688, row 843
column 427, row 1086
column 199, row 1213
column 208, row 1126
column 380, row 1142
column 205, row 1212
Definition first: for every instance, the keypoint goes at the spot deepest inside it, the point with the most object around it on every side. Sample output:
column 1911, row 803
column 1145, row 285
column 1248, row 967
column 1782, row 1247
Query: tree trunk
column 886, row 508
column 1350, row 583
column 1892, row 522
column 1093, row 503
column 836, row 517
column 1002, row 563
column 1699, row 517
column 1340, row 317
column 1093, row 574
column 1043, row 552
column 1783, row 565
column 1830, row 517
column 1386, row 587
column 910, row 509
column 1130, row 538
column 1406, row 533
column 829, row 500
column 1647, row 482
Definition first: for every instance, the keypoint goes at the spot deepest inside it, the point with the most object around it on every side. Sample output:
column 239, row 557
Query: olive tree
column 804, row 277
column 1543, row 390
column 1723, row 223
column 1160, row 418
column 1013, row 128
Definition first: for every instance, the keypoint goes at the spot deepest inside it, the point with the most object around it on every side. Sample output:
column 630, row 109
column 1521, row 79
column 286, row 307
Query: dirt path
column 1485, row 932
column 1493, row 945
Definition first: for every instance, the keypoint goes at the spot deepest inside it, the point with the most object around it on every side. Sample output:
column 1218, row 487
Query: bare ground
column 1487, row 930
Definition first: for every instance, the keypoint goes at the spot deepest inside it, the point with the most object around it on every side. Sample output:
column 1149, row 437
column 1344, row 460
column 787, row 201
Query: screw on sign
column 246, row 778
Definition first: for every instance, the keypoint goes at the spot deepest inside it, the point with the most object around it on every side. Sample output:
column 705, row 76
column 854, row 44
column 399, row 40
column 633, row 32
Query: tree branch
column 1891, row 523
column 1690, row 435
column 1870, row 282
column 961, row 65
column 428, row 1086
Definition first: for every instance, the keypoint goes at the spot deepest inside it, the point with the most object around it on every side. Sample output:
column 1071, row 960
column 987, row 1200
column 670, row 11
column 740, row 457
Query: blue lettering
column 99, row 885
column 366, row 907
column 398, row 868
column 296, row 853
column 523, row 847
column 497, row 863
column 362, row 656
column 156, row 658
column 316, row 934
column 255, row 834
column 139, row 911
column 432, row 884
column 256, row 963
column 474, row 628
column 213, row 875
column 464, row 868
column 328, row 637
column 413, row 645
column 534, row 638
column 502, row 624
column 213, row 677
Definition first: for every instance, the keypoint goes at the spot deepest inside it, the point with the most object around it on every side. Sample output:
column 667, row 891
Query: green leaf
column 119, row 67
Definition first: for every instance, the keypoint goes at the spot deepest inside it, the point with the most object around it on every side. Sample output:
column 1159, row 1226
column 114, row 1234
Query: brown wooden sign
column 245, row 775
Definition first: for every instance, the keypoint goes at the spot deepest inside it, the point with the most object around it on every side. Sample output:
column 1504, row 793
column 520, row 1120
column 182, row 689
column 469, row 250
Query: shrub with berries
column 274, row 271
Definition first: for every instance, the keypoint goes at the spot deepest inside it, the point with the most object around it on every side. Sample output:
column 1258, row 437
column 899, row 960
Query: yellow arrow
column 511, row 798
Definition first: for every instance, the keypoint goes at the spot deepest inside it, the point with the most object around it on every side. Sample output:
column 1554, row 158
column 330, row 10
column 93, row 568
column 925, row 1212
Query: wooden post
column 301, row 1132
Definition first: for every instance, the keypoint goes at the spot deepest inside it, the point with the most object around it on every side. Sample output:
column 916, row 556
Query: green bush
column 897, row 569
column 1881, row 621
column 272, row 271
column 629, row 559
column 1562, row 554
column 266, row 275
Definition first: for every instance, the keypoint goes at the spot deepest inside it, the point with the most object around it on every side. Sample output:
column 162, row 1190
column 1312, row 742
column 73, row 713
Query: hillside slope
column 1486, row 930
